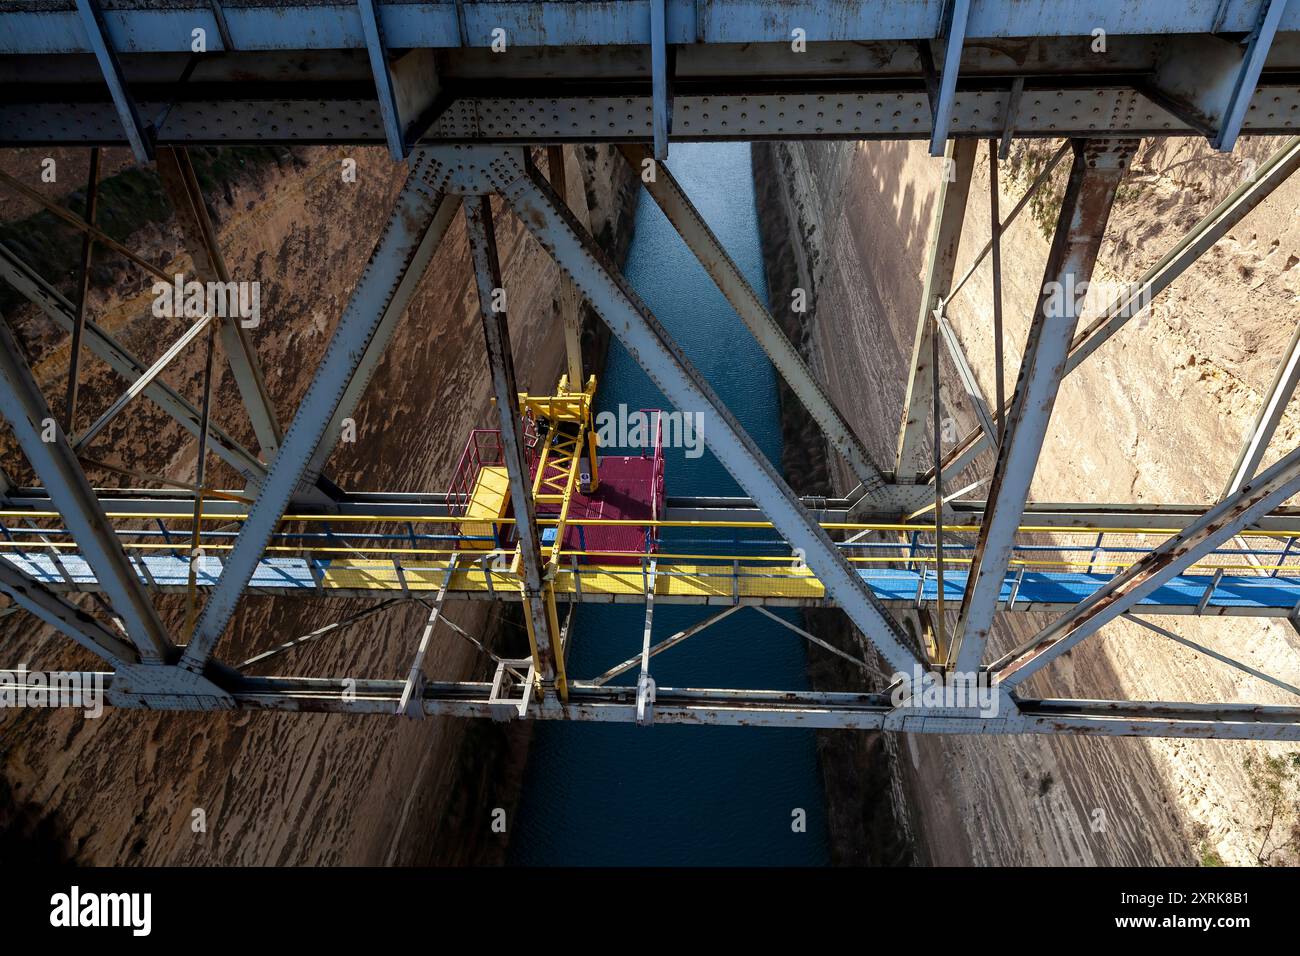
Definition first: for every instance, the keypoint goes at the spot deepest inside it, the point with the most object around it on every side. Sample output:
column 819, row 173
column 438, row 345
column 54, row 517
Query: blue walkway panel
column 1244, row 595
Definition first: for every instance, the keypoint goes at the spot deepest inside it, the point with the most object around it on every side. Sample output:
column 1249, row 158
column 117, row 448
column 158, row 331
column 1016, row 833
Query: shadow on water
column 615, row 794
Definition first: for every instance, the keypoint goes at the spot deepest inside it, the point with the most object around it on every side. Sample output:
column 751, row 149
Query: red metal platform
column 631, row 488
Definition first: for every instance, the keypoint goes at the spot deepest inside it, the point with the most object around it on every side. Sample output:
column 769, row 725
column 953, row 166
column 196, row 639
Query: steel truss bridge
column 460, row 90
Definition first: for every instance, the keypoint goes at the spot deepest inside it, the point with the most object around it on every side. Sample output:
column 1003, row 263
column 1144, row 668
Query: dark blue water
column 615, row 794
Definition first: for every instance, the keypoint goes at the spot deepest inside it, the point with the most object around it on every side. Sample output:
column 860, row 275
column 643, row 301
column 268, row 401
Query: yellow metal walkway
column 490, row 500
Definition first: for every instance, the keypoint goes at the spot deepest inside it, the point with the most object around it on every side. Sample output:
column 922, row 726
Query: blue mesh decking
column 1264, row 595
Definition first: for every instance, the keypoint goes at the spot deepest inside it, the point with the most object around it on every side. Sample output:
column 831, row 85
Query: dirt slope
column 1156, row 415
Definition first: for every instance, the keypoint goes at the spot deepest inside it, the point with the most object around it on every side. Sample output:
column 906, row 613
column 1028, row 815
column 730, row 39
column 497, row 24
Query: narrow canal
column 606, row 794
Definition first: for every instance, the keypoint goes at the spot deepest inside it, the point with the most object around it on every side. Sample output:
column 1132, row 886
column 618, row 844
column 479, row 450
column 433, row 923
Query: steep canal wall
column 1156, row 415
column 284, row 788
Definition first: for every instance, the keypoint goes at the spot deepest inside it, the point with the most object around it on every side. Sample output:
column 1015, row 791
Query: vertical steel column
column 487, row 271
column 79, row 327
column 945, row 236
column 1124, row 591
column 699, row 238
column 661, row 104
column 654, row 349
column 570, row 300
column 941, row 642
column 1270, row 413
column 200, row 476
column 200, row 238
column 995, row 247
column 1098, row 167
column 386, row 285
column 28, row 414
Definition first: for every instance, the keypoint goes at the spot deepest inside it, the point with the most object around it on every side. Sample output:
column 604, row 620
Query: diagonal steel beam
column 645, row 684
column 80, row 443
column 64, row 616
column 1127, row 589
column 384, row 286
column 700, row 239
column 377, row 344
column 1098, row 167
column 83, row 295
column 1003, row 225
column 663, row 645
column 954, row 34
column 824, row 645
column 1214, row 226
column 52, row 457
column 137, row 134
column 1270, row 414
column 384, row 92
column 945, row 236
column 50, row 301
column 1215, row 655
column 200, row 238
column 415, row 677
column 1252, row 63
column 548, row 656
column 545, row 216
column 974, row 394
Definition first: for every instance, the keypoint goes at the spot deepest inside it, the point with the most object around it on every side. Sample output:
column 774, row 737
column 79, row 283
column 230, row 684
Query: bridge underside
column 459, row 90
column 460, row 72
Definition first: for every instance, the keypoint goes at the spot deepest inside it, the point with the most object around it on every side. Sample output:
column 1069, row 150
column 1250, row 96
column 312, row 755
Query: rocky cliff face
column 1158, row 414
column 294, row 789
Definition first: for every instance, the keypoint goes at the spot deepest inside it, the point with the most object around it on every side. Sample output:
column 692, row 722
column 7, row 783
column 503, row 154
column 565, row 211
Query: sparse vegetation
column 1027, row 159
column 1207, row 854
column 1275, row 784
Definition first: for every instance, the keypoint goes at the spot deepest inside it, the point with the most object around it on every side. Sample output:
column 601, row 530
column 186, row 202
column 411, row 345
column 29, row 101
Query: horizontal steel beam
column 1188, row 605
column 860, row 112
column 762, row 708
column 146, row 27
column 1042, row 515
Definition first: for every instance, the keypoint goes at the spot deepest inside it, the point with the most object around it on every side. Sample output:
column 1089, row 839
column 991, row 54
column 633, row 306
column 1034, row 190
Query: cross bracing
column 425, row 80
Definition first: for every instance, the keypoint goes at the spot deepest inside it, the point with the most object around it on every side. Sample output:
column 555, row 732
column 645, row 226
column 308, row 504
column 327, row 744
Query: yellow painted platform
column 490, row 499
column 677, row 580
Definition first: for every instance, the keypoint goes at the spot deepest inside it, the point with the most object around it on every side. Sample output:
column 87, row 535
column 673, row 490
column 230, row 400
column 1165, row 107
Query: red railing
column 656, row 479
column 483, row 448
